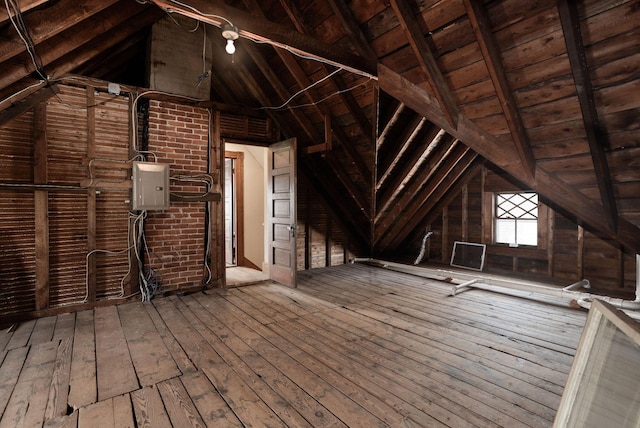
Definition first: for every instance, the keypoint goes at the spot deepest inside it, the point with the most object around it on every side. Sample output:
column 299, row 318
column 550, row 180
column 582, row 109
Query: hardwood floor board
column 65, row 325
column 246, row 404
column 9, row 372
column 412, row 362
column 212, row 408
column 293, row 308
column 404, row 396
column 476, row 325
column 492, row 345
column 443, row 379
column 352, row 345
column 498, row 305
column 266, row 313
column 59, row 388
column 506, row 342
column 83, row 386
column 282, row 408
column 152, row 360
column 374, row 407
column 511, row 306
column 123, row 411
column 28, row 401
column 21, row 335
column 260, row 374
column 5, row 337
column 148, row 409
column 437, row 397
column 178, row 354
column 310, row 303
column 116, row 375
column 98, row 414
column 182, row 412
column 67, row 421
column 43, row 330
column 113, row 412
column 196, row 347
column 340, row 404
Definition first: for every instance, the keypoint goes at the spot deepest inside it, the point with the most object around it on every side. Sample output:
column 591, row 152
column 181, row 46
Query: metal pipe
column 583, row 283
column 455, row 288
column 483, row 282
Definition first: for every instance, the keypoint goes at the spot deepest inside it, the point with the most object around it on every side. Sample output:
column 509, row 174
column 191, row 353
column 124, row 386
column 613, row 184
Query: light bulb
column 230, row 48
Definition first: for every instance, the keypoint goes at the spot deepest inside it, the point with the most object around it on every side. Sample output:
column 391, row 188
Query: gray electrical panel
column 150, row 186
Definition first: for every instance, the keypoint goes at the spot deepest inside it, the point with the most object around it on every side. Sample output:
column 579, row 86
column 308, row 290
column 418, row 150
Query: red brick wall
column 176, row 238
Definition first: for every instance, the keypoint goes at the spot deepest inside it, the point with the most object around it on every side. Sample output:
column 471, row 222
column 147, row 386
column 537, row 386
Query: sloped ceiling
column 405, row 99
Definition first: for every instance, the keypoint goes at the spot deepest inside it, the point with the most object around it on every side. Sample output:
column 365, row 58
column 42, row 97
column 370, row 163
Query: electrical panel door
column 150, row 186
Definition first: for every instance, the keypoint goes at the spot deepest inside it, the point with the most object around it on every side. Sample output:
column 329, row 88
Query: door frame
column 239, row 204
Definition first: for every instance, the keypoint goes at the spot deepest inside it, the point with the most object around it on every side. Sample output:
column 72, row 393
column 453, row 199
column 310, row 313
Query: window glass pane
column 527, row 231
column 505, row 231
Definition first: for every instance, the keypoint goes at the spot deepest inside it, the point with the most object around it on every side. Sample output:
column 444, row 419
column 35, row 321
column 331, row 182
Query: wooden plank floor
column 353, row 345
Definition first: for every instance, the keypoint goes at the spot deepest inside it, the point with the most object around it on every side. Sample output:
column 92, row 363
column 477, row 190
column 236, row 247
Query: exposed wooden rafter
column 399, row 148
column 93, row 27
column 389, row 125
column 24, row 5
column 491, row 148
column 341, row 88
column 265, row 31
column 351, row 27
column 41, row 27
column 597, row 139
column 444, row 179
column 491, row 53
column 426, row 59
column 27, row 103
column 391, row 210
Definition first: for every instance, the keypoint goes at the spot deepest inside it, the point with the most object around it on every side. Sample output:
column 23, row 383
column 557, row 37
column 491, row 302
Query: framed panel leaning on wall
column 602, row 388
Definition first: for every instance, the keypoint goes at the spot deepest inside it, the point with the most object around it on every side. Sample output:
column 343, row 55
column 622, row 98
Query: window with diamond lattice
column 516, row 218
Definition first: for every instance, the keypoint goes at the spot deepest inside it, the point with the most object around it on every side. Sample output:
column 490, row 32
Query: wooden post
column 91, row 196
column 465, row 212
column 551, row 230
column 580, row 253
column 41, row 207
column 216, row 209
column 445, row 234
column 134, row 275
column 307, row 226
column 327, row 242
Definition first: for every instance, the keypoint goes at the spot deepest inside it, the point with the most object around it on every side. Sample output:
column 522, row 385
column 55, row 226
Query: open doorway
column 245, row 203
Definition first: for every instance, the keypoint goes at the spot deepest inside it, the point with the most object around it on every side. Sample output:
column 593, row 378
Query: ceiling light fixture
column 230, row 32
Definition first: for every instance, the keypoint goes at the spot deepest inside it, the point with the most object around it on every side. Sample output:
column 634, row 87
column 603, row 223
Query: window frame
column 495, row 218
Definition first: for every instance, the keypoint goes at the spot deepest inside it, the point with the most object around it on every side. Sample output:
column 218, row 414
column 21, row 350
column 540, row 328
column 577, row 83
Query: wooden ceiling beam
column 81, row 34
column 351, row 27
column 264, row 31
column 394, row 185
column 491, row 54
column 426, row 59
column 341, row 89
column 399, row 148
column 399, row 207
column 444, row 182
column 47, row 22
column 597, row 139
column 27, row 103
column 491, row 148
column 283, row 93
column 24, row 5
column 442, row 198
column 389, row 126
column 303, row 81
